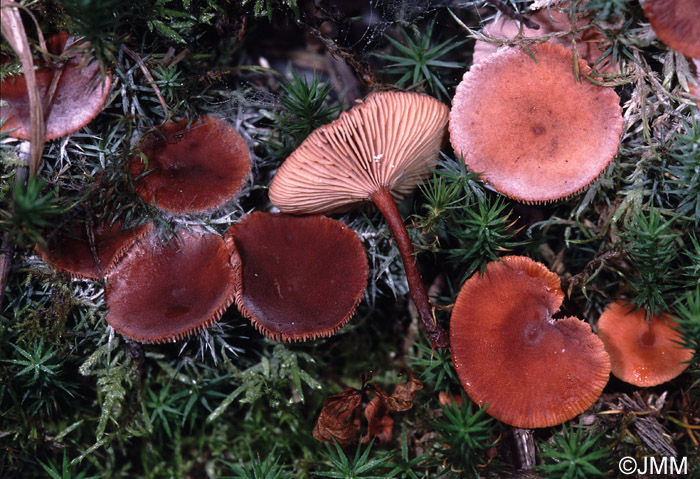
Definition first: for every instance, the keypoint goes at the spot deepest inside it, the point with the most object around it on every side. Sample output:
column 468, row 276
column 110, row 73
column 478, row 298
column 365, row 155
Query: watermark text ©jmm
column 665, row 465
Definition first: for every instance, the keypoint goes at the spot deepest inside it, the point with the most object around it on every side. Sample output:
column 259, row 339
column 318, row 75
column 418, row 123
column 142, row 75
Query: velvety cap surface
column 677, row 23
column 643, row 353
column 163, row 291
column 532, row 370
column 71, row 252
column 193, row 167
column 81, row 92
column 534, row 133
column 297, row 278
column 391, row 141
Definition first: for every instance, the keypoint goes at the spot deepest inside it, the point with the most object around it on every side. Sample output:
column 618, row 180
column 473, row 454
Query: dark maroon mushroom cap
column 297, row 278
column 192, row 167
column 165, row 290
column 70, row 251
column 81, row 92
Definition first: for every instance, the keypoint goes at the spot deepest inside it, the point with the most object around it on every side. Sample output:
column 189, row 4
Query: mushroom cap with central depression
column 642, row 352
column 191, row 167
column 297, row 277
column 510, row 354
column 533, row 132
column 166, row 289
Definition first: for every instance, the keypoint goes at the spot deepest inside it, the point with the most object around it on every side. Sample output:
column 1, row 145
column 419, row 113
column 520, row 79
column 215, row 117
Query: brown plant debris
column 340, row 415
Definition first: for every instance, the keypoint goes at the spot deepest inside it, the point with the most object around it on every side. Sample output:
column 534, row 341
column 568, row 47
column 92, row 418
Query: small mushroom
column 676, row 23
column 191, row 168
column 73, row 92
column 71, row 251
column 377, row 151
column 296, row 278
column 643, row 353
column 511, row 355
column 166, row 289
column 590, row 43
column 532, row 131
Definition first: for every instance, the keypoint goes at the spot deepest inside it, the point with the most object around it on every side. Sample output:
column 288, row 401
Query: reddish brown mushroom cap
column 192, row 168
column 81, row 92
column 534, row 133
column 510, row 354
column 388, row 142
column 72, row 253
column 377, row 151
column 163, row 291
column 297, row 278
column 590, row 43
column 641, row 353
column 677, row 23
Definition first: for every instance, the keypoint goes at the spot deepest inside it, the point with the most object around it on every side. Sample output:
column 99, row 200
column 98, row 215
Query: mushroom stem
column 385, row 202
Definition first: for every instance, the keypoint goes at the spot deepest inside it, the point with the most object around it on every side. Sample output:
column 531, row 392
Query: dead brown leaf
column 340, row 418
column 379, row 423
column 402, row 397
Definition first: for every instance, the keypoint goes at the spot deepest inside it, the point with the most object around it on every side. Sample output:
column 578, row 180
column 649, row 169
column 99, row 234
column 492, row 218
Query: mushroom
column 296, row 278
column 191, row 168
column 377, row 151
column 532, row 131
column 590, row 43
column 676, row 23
column 167, row 289
column 511, row 355
column 71, row 251
column 643, row 353
column 73, row 93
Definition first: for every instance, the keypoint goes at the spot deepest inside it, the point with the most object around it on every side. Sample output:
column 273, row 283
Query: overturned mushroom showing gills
column 297, row 278
column 532, row 131
column 377, row 151
column 510, row 354
column 643, row 353
column 164, row 290
column 676, row 23
column 73, row 252
column 192, row 168
column 73, row 92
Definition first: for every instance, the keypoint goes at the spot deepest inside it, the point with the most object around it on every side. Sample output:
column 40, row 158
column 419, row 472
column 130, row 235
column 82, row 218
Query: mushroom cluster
column 377, row 151
column 295, row 278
